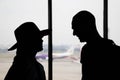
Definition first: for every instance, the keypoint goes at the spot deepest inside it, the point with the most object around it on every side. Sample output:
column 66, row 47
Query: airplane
column 61, row 55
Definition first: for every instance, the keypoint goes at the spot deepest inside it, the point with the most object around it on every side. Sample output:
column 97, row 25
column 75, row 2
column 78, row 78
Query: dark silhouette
column 29, row 42
column 98, row 58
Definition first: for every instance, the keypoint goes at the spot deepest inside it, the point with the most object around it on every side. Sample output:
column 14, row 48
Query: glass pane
column 69, row 68
column 12, row 14
column 114, row 18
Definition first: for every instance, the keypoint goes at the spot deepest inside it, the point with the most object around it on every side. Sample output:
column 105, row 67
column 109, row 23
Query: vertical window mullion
column 105, row 19
column 50, row 40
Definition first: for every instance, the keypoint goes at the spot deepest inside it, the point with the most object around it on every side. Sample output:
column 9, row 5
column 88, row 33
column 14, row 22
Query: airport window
column 13, row 13
column 63, row 11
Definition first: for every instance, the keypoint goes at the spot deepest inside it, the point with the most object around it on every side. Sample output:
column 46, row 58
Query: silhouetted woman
column 29, row 42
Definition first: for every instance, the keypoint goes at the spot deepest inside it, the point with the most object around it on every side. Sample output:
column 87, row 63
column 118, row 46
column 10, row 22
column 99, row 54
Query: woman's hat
column 28, row 32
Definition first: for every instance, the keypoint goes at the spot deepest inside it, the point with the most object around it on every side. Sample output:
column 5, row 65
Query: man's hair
column 84, row 18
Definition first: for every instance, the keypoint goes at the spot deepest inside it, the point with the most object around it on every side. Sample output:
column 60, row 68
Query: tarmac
column 63, row 69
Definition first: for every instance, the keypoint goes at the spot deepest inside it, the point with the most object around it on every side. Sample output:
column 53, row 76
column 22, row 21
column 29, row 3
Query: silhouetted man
column 97, row 57
column 29, row 42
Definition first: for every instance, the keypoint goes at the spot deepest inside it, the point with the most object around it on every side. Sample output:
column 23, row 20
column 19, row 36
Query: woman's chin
column 39, row 50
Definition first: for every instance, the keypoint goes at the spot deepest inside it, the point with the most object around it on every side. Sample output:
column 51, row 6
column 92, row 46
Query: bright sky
column 15, row 12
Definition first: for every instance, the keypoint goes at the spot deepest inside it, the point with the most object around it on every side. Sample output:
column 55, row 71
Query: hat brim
column 45, row 32
column 13, row 47
column 42, row 33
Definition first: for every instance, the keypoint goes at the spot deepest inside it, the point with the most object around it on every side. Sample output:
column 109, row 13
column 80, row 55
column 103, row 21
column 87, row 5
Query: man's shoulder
column 102, row 44
column 106, row 42
column 111, row 45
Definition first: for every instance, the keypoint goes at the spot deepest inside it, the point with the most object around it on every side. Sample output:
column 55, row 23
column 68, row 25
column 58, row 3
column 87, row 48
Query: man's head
column 83, row 25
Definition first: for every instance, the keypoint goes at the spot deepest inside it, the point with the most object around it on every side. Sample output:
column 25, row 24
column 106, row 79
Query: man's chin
column 82, row 40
